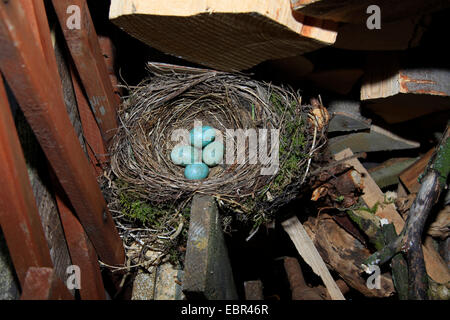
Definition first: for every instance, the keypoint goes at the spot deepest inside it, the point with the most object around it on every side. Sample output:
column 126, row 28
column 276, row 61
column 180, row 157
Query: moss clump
column 136, row 209
column 292, row 144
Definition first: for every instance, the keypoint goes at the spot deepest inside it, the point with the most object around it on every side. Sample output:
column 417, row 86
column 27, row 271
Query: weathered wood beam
column 87, row 55
column 207, row 271
column 377, row 139
column 226, row 35
column 19, row 216
column 34, row 86
column 399, row 88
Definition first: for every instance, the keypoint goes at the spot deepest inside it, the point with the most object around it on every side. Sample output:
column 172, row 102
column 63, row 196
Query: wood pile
column 373, row 220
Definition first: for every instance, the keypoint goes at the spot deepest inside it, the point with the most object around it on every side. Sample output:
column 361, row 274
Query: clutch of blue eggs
column 202, row 153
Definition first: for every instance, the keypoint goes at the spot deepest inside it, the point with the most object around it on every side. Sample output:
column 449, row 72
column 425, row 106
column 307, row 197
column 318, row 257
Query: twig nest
column 260, row 134
column 196, row 171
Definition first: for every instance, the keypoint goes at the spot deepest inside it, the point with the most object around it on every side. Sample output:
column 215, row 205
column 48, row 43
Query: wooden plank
column 377, row 139
column 346, row 116
column 226, row 35
column 410, row 176
column 387, row 173
column 44, row 284
column 309, row 253
column 207, row 268
column 355, row 11
column 81, row 250
column 373, row 196
column 23, row 65
column 109, row 54
column 395, row 88
column 86, row 53
column 19, row 217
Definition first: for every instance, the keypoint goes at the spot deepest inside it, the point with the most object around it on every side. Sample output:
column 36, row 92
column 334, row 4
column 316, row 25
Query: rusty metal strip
column 86, row 53
column 35, row 88
column 19, row 217
column 44, row 284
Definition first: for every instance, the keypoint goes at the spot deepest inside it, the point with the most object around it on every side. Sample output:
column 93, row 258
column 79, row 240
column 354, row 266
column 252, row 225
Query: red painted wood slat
column 86, row 53
column 19, row 217
column 34, row 86
column 44, row 284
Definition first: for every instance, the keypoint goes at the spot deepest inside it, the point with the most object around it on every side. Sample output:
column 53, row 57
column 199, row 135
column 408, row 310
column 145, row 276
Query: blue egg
column 201, row 136
column 184, row 155
column 213, row 153
column 196, row 171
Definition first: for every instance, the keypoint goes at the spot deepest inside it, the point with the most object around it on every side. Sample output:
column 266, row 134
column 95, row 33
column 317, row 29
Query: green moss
column 138, row 210
column 442, row 162
column 372, row 210
column 292, row 145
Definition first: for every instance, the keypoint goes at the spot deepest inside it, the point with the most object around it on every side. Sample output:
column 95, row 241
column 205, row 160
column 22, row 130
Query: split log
column 346, row 116
column 309, row 253
column 225, row 35
column 377, row 139
column 381, row 234
column 356, row 11
column 373, row 197
column 387, row 173
column 344, row 254
column 410, row 176
column 400, row 89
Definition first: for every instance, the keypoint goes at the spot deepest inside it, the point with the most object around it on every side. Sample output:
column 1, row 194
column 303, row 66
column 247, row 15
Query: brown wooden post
column 86, row 53
column 44, row 284
column 34, row 86
column 19, row 217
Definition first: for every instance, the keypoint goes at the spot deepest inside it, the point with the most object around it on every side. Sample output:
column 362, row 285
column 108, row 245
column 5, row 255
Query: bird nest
column 269, row 136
